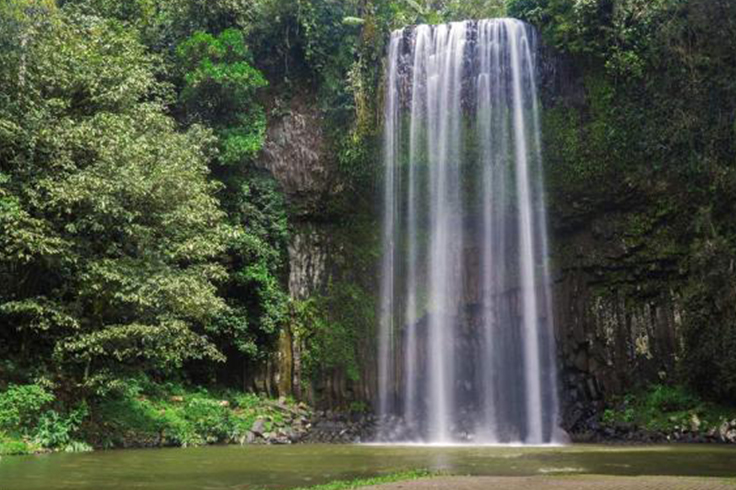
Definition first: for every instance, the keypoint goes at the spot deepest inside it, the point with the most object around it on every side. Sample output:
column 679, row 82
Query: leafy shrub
column 208, row 419
column 178, row 416
column 10, row 446
column 20, row 405
column 333, row 326
column 359, row 407
column 663, row 398
column 665, row 407
column 258, row 251
column 246, row 401
column 56, row 431
column 220, row 89
column 133, row 208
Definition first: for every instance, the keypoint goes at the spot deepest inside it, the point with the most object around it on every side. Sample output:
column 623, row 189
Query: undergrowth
column 176, row 415
column 144, row 414
column 666, row 408
column 32, row 420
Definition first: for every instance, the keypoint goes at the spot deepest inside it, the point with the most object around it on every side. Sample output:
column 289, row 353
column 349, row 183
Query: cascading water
column 466, row 345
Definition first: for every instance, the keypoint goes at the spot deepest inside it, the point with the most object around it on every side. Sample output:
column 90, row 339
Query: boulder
column 695, row 423
column 258, row 427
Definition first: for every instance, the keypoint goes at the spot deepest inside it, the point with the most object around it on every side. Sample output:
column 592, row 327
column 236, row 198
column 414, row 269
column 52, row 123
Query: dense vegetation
column 140, row 243
column 142, row 246
column 656, row 138
column 667, row 409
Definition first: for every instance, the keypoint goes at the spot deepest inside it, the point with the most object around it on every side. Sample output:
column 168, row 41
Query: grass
column 15, row 446
column 378, row 480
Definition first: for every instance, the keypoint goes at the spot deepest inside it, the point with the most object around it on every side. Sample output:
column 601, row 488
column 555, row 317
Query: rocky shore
column 594, row 431
column 341, row 428
column 299, row 425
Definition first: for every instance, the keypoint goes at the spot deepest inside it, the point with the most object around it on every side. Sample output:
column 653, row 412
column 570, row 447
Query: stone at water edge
column 259, row 426
column 695, row 423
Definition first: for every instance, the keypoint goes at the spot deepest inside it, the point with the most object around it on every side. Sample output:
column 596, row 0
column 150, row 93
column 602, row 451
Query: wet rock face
column 618, row 319
column 296, row 153
column 618, row 304
column 615, row 338
column 309, row 251
column 322, row 256
column 617, row 301
column 560, row 81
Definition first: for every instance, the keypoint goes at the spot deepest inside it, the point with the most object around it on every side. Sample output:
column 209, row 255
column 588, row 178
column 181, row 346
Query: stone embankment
column 592, row 430
column 299, row 425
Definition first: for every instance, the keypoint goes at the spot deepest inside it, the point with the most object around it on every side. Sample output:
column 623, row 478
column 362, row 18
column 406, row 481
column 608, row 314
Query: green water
column 282, row 467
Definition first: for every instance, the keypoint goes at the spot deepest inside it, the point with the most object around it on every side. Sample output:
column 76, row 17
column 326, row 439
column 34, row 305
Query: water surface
column 283, row 467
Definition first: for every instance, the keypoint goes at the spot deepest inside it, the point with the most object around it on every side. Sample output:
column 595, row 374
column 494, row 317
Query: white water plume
column 466, row 345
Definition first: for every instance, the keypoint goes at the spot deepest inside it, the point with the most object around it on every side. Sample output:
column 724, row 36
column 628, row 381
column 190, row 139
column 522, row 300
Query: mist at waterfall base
column 466, row 345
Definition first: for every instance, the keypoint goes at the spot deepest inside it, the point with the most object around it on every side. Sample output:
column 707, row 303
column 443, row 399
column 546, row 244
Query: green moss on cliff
column 639, row 152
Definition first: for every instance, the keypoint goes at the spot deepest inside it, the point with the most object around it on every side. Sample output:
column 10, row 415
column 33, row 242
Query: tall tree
column 108, row 222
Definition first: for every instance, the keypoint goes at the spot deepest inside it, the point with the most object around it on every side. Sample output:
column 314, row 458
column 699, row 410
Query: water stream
column 466, row 349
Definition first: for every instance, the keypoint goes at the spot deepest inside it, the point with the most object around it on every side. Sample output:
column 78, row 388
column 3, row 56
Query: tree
column 220, row 89
column 109, row 227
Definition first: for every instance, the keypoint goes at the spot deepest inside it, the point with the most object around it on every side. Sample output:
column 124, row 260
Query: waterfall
column 466, row 341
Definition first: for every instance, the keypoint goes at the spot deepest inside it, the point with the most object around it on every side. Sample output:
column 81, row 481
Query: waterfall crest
column 466, row 343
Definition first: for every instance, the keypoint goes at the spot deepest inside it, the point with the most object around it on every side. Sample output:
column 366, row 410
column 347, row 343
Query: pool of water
column 283, row 467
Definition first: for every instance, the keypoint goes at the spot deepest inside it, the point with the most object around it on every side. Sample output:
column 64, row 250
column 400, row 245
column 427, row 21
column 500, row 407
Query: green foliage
column 258, row 260
column 20, row 406
column 402, row 13
column 163, row 24
column 576, row 26
column 333, row 327
column 359, row 407
column 455, row 10
column 28, row 424
column 663, row 398
column 115, row 254
column 56, row 431
column 664, row 408
column 649, row 133
column 10, row 446
column 220, row 89
column 149, row 414
column 109, row 224
column 328, row 40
